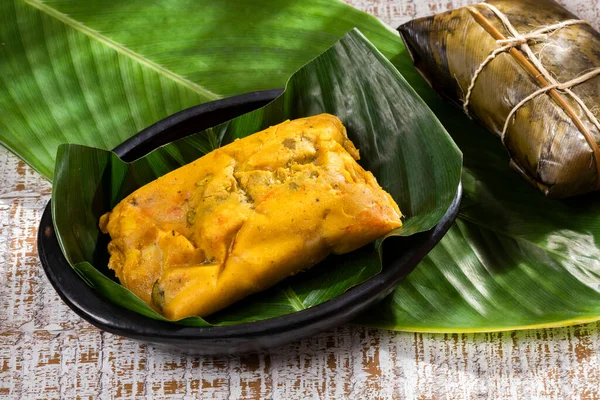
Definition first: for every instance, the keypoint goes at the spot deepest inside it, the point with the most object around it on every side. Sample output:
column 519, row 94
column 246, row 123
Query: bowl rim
column 343, row 306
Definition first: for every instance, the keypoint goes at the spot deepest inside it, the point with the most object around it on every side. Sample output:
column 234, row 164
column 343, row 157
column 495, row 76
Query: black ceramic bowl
column 402, row 255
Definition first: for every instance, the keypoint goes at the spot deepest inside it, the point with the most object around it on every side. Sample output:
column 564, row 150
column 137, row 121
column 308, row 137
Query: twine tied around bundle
column 522, row 41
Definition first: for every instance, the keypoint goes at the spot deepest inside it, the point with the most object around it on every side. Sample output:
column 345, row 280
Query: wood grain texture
column 46, row 351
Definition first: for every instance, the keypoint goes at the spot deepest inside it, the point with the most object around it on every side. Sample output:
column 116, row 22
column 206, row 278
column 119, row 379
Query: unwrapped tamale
column 518, row 63
column 245, row 216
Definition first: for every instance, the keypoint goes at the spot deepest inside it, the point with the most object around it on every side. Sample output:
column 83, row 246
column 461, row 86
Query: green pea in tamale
column 529, row 71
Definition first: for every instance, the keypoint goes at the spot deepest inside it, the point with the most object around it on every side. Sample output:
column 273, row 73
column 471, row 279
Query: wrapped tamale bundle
column 245, row 216
column 529, row 71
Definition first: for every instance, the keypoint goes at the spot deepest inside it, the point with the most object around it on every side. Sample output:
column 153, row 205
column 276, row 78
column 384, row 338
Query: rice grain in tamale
column 516, row 63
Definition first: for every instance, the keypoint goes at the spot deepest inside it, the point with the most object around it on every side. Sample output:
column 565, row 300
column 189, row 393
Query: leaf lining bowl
column 402, row 255
column 401, row 142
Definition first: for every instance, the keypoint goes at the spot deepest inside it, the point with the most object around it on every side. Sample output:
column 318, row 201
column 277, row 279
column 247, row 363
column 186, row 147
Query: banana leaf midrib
column 121, row 49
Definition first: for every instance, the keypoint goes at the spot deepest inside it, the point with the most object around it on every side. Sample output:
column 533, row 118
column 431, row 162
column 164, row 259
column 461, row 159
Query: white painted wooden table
column 46, row 351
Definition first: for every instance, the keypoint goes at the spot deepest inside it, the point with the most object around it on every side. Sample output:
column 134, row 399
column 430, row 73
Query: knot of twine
column 522, row 41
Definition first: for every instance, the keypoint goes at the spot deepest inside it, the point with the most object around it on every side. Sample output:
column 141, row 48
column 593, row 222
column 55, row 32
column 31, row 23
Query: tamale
column 245, row 216
column 530, row 73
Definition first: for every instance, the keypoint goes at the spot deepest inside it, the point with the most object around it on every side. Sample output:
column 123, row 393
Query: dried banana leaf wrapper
column 546, row 145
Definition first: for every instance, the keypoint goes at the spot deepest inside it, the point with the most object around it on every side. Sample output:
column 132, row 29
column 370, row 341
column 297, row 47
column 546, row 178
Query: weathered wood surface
column 46, row 351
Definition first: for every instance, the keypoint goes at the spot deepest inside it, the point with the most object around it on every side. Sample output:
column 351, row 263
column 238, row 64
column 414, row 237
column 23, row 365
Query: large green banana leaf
column 513, row 260
column 94, row 72
column 410, row 154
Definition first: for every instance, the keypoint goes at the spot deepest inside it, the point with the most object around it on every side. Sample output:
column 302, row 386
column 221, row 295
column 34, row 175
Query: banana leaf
column 410, row 154
column 95, row 72
column 514, row 259
column 552, row 140
column 162, row 56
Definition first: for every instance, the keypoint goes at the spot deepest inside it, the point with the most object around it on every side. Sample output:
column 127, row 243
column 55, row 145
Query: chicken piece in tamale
column 245, row 216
